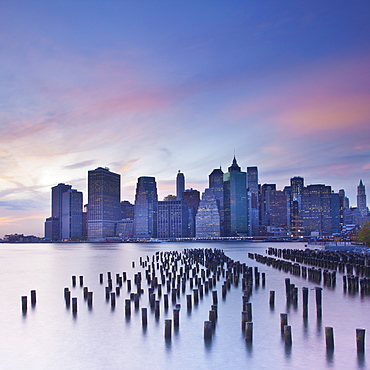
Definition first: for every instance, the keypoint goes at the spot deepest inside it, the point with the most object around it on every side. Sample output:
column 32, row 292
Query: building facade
column 235, row 201
column 173, row 219
column 146, row 203
column 104, row 189
column 208, row 220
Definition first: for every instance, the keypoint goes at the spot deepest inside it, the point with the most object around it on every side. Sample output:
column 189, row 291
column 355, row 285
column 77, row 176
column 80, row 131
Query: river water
column 49, row 336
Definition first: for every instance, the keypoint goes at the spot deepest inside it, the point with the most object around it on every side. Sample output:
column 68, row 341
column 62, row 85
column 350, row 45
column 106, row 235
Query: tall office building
column 207, row 220
column 252, row 186
column 72, row 219
column 216, row 183
column 53, row 224
column 104, row 209
column 192, row 197
column 361, row 199
column 146, row 203
column 266, row 191
column 319, row 211
column 173, row 219
column 180, row 185
column 235, row 201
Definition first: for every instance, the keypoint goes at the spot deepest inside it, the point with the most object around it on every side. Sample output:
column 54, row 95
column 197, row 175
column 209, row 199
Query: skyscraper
column 146, row 203
column 180, row 185
column 53, row 224
column 208, row 223
column 192, row 197
column 235, row 201
column 173, row 219
column 104, row 189
column 216, row 183
column 320, row 210
column 252, row 186
column 361, row 199
column 72, row 214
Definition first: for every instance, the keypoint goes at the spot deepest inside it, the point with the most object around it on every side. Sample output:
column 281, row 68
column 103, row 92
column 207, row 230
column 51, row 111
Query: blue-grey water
column 50, row 337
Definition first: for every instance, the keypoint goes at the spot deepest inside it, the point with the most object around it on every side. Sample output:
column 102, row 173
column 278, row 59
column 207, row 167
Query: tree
column 364, row 233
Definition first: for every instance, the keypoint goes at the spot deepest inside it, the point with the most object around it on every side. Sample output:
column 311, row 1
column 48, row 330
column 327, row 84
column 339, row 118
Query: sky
column 147, row 88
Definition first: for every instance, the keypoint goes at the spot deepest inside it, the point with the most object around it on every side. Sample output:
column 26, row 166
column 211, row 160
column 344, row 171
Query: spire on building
column 234, row 166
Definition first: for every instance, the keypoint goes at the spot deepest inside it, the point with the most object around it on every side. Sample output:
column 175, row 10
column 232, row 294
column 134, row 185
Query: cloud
column 83, row 164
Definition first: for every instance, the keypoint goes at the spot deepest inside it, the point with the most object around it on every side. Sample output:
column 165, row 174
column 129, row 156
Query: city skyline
column 152, row 88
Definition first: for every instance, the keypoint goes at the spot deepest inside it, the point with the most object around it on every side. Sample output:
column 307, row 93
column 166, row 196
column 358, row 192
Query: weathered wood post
column 81, row 280
column 249, row 332
column 188, row 301
column 272, row 298
column 196, row 296
column 318, row 291
column 24, row 304
column 207, row 330
column 67, row 297
column 360, row 340
column 288, row 335
column 74, row 305
column 113, row 299
column 329, row 338
column 89, row 299
column 144, row 316
column 176, row 317
column 165, row 297
column 33, row 298
column 73, row 280
column 127, row 307
column 305, row 301
column 214, row 296
column 101, row 278
column 283, row 321
column 167, row 328
column 156, row 308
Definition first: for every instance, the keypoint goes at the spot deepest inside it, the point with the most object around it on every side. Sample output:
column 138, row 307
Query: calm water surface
column 49, row 337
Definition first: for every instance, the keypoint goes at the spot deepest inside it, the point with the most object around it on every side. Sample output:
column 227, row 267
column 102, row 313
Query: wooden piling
column 81, row 280
column 165, row 298
column 127, row 307
column 283, row 321
column 73, row 280
column 272, row 298
column 188, row 301
column 89, row 299
column 196, row 296
column 144, row 316
column 101, row 278
column 329, row 337
column 176, row 317
column 24, row 304
column 288, row 335
column 33, row 298
column 214, row 296
column 318, row 291
column 167, row 328
column 305, row 301
column 249, row 332
column 360, row 340
column 113, row 299
column 207, row 330
column 156, row 308
column 74, row 305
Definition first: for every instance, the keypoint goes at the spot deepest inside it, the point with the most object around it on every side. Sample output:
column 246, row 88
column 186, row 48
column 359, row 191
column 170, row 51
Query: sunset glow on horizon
column 147, row 88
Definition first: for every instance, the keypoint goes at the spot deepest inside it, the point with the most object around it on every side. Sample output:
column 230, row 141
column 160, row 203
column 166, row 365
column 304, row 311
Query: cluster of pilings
column 345, row 261
column 24, row 301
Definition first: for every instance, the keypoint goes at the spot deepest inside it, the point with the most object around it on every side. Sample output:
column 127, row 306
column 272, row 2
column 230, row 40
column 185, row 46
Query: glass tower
column 180, row 185
column 235, row 201
column 104, row 210
column 146, row 203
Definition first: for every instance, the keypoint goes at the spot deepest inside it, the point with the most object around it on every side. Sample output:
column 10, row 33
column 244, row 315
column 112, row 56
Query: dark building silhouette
column 192, row 197
column 216, row 183
column 173, row 219
column 146, row 203
column 104, row 209
column 252, row 186
column 235, row 201
column 361, row 199
column 72, row 219
column 180, row 185
column 127, row 210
